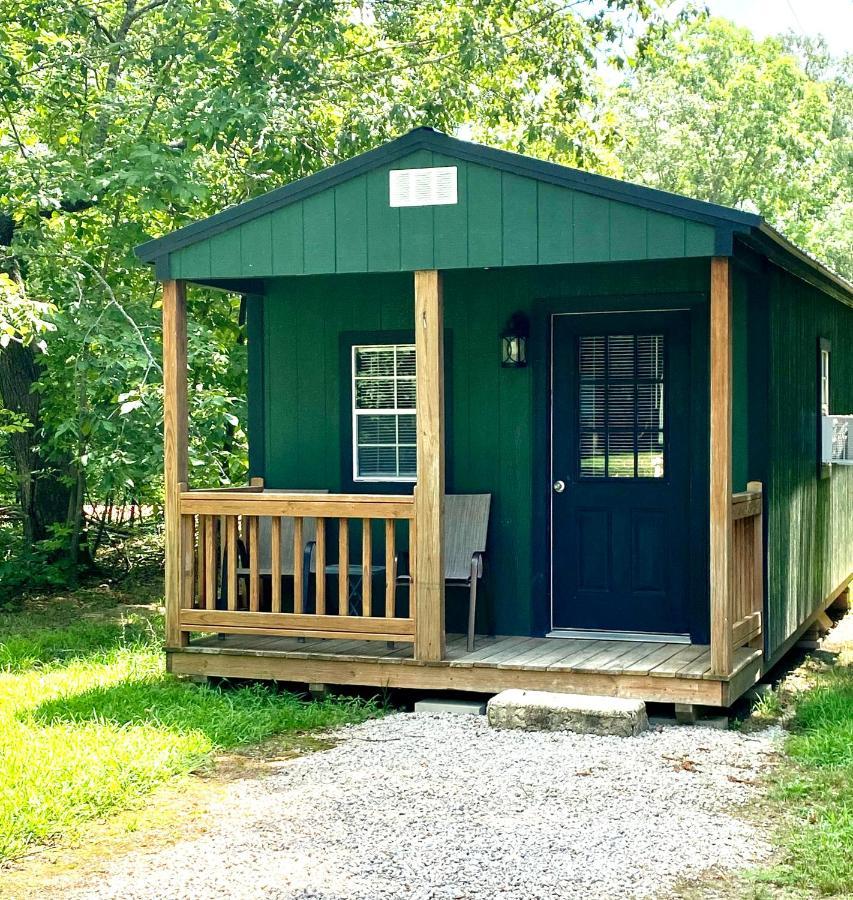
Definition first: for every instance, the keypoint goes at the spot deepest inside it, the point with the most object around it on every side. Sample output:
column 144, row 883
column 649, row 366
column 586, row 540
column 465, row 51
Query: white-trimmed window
column 383, row 412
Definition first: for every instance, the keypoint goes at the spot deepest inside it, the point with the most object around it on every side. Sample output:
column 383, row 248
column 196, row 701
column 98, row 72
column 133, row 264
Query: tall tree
column 763, row 125
column 127, row 117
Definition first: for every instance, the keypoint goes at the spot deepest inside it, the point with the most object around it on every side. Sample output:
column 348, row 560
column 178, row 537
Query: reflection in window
column 621, row 406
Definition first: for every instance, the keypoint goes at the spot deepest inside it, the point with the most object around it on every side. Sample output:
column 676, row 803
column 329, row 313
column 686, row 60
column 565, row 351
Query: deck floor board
column 607, row 657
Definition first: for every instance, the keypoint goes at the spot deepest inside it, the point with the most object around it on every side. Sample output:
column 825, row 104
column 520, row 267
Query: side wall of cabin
column 497, row 419
column 809, row 514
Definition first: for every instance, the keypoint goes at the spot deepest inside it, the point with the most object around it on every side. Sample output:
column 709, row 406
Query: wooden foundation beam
column 175, row 438
column 428, row 588
column 721, row 466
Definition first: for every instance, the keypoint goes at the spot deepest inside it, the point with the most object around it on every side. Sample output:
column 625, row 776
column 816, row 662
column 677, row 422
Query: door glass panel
column 621, row 406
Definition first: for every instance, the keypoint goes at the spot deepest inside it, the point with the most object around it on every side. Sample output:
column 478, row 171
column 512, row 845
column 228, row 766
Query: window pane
column 650, row 455
column 650, row 356
column 620, row 356
column 591, row 357
column 592, row 406
column 620, row 454
column 649, row 406
column 374, row 394
column 592, row 455
column 407, row 433
column 374, row 461
column 377, row 429
column 406, row 361
column 620, row 406
column 406, row 393
column 374, row 361
column 408, row 456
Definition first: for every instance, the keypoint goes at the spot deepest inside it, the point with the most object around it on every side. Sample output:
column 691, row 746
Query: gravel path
column 424, row 806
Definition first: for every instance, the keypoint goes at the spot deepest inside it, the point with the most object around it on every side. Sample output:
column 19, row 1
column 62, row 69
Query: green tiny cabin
column 647, row 394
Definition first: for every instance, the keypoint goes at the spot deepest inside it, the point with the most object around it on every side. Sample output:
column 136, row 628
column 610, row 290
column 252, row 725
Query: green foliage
column 767, row 125
column 136, row 118
column 32, row 568
column 90, row 722
column 823, row 723
column 816, row 790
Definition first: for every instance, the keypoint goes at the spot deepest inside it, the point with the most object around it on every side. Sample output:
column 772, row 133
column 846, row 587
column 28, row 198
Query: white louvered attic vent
column 435, row 186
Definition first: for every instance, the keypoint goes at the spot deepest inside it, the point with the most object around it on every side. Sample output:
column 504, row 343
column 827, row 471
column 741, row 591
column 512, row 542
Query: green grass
column 815, row 790
column 90, row 721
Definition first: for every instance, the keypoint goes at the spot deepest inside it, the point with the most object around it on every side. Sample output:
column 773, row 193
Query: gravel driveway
column 425, row 806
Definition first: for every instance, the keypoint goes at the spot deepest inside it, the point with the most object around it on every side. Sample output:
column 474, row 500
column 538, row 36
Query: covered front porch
column 328, row 622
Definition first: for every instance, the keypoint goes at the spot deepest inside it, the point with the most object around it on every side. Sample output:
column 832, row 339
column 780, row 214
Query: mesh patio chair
column 466, row 527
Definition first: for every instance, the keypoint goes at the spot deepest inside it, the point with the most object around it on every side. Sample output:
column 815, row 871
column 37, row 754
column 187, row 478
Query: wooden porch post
column 721, row 466
column 175, row 436
column 429, row 500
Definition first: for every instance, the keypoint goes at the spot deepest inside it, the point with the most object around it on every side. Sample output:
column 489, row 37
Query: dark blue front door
column 620, row 470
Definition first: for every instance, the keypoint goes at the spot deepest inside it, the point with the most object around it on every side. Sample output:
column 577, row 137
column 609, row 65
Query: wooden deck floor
column 652, row 671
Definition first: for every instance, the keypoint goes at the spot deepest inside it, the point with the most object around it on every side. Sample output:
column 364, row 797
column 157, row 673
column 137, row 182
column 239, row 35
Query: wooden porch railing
column 747, row 567
column 215, row 523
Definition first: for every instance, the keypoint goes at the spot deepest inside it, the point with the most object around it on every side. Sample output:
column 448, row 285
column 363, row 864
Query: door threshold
column 591, row 635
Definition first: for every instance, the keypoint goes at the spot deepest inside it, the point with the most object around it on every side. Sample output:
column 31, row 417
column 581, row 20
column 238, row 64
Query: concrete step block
column 547, row 711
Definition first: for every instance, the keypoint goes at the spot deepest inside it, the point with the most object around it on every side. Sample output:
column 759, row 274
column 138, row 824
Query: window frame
column 396, row 412
column 823, row 400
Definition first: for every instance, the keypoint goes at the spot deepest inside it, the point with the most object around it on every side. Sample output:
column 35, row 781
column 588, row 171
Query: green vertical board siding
column 698, row 239
column 810, row 525
column 287, row 240
column 555, row 224
column 664, row 235
column 450, row 222
column 740, row 385
column 627, row 231
column 496, row 417
column 256, row 246
column 485, row 216
column 500, row 219
column 318, row 229
column 383, row 225
column 256, row 391
column 351, row 225
column 591, row 228
column 520, row 227
column 224, row 255
column 416, row 223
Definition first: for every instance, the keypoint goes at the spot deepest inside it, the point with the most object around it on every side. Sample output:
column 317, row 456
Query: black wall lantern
column 514, row 342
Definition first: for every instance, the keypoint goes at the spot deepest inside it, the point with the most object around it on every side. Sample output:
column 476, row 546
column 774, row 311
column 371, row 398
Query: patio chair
column 466, row 526
column 309, row 532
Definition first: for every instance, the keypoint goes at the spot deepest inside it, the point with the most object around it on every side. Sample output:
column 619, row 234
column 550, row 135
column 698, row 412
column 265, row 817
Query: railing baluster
column 390, row 571
column 275, row 562
column 200, row 564
column 254, row 565
column 366, row 569
column 298, row 550
column 231, row 551
column 210, row 562
column 320, row 567
column 188, row 564
column 413, row 588
column 343, row 566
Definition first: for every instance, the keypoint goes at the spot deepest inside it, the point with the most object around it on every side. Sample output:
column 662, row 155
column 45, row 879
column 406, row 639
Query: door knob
column 559, row 487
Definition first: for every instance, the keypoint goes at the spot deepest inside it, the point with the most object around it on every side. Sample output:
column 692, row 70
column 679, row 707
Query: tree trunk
column 44, row 494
